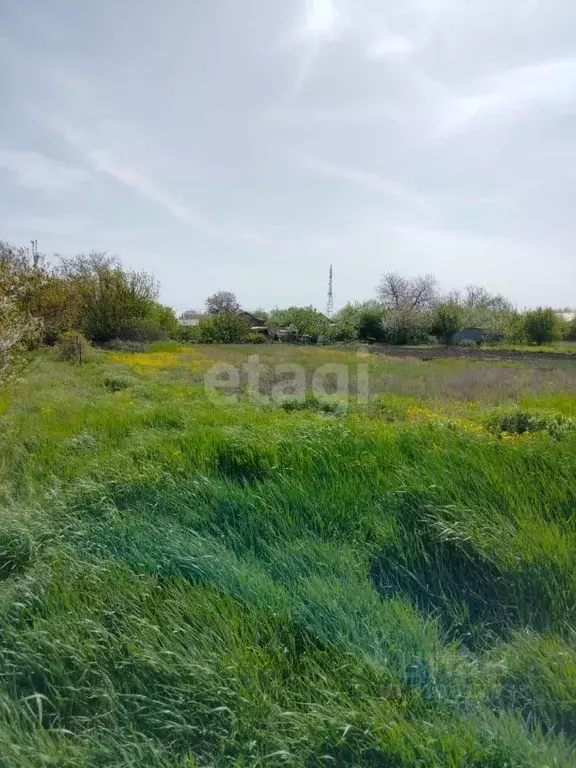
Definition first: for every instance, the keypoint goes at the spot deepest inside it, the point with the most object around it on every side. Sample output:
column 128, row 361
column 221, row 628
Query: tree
column 407, row 293
column 260, row 313
column 370, row 327
column 401, row 326
column 361, row 321
column 405, row 302
column 18, row 328
column 114, row 303
column 223, row 328
column 306, row 321
column 570, row 332
column 222, row 301
column 491, row 312
column 541, row 325
column 446, row 320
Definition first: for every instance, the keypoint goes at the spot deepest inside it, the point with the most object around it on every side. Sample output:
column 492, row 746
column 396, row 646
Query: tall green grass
column 184, row 583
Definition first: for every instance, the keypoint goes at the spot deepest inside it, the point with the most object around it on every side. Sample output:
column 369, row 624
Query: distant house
column 255, row 322
column 469, row 335
column 567, row 316
column 190, row 318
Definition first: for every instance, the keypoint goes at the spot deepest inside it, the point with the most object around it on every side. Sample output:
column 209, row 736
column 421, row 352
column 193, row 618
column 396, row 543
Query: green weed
column 188, row 581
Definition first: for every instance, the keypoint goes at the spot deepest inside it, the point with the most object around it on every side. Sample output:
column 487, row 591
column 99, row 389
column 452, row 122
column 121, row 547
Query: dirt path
column 469, row 353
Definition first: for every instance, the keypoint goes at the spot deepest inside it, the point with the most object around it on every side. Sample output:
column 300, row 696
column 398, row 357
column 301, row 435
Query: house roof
column 191, row 314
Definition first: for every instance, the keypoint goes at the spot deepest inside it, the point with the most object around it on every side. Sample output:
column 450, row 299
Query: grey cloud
column 34, row 170
column 425, row 135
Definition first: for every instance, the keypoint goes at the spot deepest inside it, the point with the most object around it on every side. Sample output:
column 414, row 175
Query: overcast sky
column 247, row 144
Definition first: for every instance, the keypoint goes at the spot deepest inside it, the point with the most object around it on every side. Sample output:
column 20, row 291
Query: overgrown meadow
column 193, row 580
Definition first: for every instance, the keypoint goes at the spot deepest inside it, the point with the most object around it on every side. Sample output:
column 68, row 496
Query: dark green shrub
column 224, row 328
column 520, row 422
column 188, row 334
column 447, row 319
column 124, row 345
column 542, row 326
column 256, row 338
column 115, row 383
column 72, row 347
column 313, row 403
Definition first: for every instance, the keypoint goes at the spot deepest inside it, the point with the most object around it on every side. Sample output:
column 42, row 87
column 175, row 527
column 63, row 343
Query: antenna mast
column 330, row 302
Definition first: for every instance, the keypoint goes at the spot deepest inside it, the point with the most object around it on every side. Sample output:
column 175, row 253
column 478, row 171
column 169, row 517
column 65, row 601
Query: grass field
column 193, row 580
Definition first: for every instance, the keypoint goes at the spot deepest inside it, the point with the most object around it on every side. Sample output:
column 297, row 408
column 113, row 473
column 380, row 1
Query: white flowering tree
column 18, row 329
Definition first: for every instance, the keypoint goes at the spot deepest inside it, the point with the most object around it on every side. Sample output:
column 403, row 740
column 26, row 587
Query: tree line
column 95, row 297
column 89, row 296
column 404, row 311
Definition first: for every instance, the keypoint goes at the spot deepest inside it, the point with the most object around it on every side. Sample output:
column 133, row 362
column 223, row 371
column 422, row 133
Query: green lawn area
column 189, row 579
column 562, row 347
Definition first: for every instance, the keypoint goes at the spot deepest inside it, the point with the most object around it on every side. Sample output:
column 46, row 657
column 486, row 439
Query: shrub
column 72, row 346
column 570, row 331
column 306, row 322
column 542, row 325
column 370, row 324
column 19, row 329
column 357, row 321
column 114, row 302
column 256, row 338
column 188, row 334
column 313, row 403
column 124, row 345
column 519, row 422
column 447, row 320
column 114, row 383
column 223, row 328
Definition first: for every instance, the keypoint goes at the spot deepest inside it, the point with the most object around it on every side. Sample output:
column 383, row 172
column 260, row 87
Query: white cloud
column 102, row 161
column 37, row 171
column 320, row 20
column 390, row 46
column 551, row 84
column 364, row 179
column 320, row 23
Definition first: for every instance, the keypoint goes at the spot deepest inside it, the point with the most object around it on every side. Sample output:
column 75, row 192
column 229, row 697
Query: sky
column 246, row 146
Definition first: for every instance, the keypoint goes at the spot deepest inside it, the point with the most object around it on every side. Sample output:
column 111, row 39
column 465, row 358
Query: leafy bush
column 446, row 320
column 188, row 334
column 306, row 321
column 467, row 344
column 313, row 403
column 19, row 329
column 256, row 338
column 370, row 324
column 124, row 345
column 570, row 331
column 72, row 346
column 542, row 325
column 519, row 422
column 223, row 328
column 114, row 383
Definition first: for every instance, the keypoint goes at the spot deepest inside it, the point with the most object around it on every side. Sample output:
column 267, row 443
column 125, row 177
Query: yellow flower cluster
column 146, row 360
column 421, row 413
column 514, row 437
column 157, row 361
